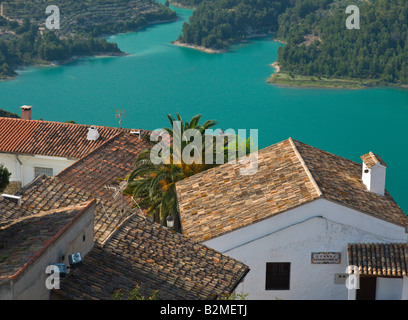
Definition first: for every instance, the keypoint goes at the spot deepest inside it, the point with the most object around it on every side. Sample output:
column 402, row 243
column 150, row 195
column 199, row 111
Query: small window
column 38, row 171
column 277, row 276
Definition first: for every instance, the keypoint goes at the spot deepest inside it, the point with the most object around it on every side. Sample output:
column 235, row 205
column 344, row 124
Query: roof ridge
column 80, row 160
column 79, row 206
column 302, row 161
column 63, row 123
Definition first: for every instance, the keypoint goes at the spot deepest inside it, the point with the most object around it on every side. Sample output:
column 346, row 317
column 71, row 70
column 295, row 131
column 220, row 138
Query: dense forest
column 317, row 42
column 24, row 40
column 95, row 17
column 33, row 47
column 378, row 50
column 220, row 23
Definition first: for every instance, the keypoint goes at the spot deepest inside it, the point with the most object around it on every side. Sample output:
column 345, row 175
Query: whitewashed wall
column 319, row 226
column 24, row 172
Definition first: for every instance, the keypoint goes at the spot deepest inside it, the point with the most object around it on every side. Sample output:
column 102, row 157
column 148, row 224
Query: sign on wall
column 326, row 258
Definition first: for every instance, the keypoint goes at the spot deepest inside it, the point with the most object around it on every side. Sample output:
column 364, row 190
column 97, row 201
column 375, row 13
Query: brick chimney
column 26, row 112
column 374, row 170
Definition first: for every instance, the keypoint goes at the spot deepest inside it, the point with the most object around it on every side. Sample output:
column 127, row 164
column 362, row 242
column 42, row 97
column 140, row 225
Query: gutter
column 241, row 279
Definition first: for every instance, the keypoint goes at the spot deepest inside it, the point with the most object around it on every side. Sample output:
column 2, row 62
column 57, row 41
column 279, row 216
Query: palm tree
column 155, row 184
column 179, row 128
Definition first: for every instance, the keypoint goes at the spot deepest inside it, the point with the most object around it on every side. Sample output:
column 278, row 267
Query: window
column 277, row 276
column 38, row 171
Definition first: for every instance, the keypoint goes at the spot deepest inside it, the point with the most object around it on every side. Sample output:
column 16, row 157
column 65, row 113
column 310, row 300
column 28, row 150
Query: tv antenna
column 121, row 115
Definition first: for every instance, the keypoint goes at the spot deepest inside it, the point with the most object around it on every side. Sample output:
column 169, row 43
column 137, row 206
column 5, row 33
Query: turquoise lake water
column 158, row 78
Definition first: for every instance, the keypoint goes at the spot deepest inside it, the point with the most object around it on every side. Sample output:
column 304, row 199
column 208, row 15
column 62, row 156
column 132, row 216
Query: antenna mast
column 121, row 115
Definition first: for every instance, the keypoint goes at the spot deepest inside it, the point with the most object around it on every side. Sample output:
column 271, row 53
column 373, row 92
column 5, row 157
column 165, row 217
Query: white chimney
column 93, row 133
column 374, row 170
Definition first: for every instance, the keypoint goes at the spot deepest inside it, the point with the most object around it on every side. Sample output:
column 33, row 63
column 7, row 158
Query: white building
column 300, row 221
column 29, row 148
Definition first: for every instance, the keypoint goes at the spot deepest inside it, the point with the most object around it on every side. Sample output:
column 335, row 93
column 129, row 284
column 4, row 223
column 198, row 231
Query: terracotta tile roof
column 24, row 239
column 340, row 180
column 93, row 176
column 46, row 193
column 379, row 259
column 290, row 173
column 49, row 138
column 133, row 250
column 370, row 159
column 100, row 170
column 156, row 258
column 9, row 210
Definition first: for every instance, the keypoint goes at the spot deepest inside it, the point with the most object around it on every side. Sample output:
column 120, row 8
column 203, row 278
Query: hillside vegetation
column 8, row 114
column 24, row 40
column 317, row 43
column 220, row 23
column 377, row 51
column 96, row 17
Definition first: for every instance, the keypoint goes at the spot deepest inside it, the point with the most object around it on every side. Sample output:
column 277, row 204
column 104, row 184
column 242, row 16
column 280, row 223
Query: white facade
column 24, row 167
column 292, row 237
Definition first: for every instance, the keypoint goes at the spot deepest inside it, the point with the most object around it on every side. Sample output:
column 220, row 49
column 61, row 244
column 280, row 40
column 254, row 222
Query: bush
column 4, row 177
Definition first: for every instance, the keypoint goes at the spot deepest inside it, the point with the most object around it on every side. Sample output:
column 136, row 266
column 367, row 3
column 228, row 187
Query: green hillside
column 7, row 114
column 25, row 40
column 318, row 46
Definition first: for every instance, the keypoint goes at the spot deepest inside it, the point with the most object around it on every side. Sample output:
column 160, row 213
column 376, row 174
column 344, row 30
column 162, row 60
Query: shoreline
column 53, row 64
column 8, row 78
column 216, row 51
column 178, row 5
column 94, row 55
column 199, row 48
column 276, row 66
column 286, row 80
